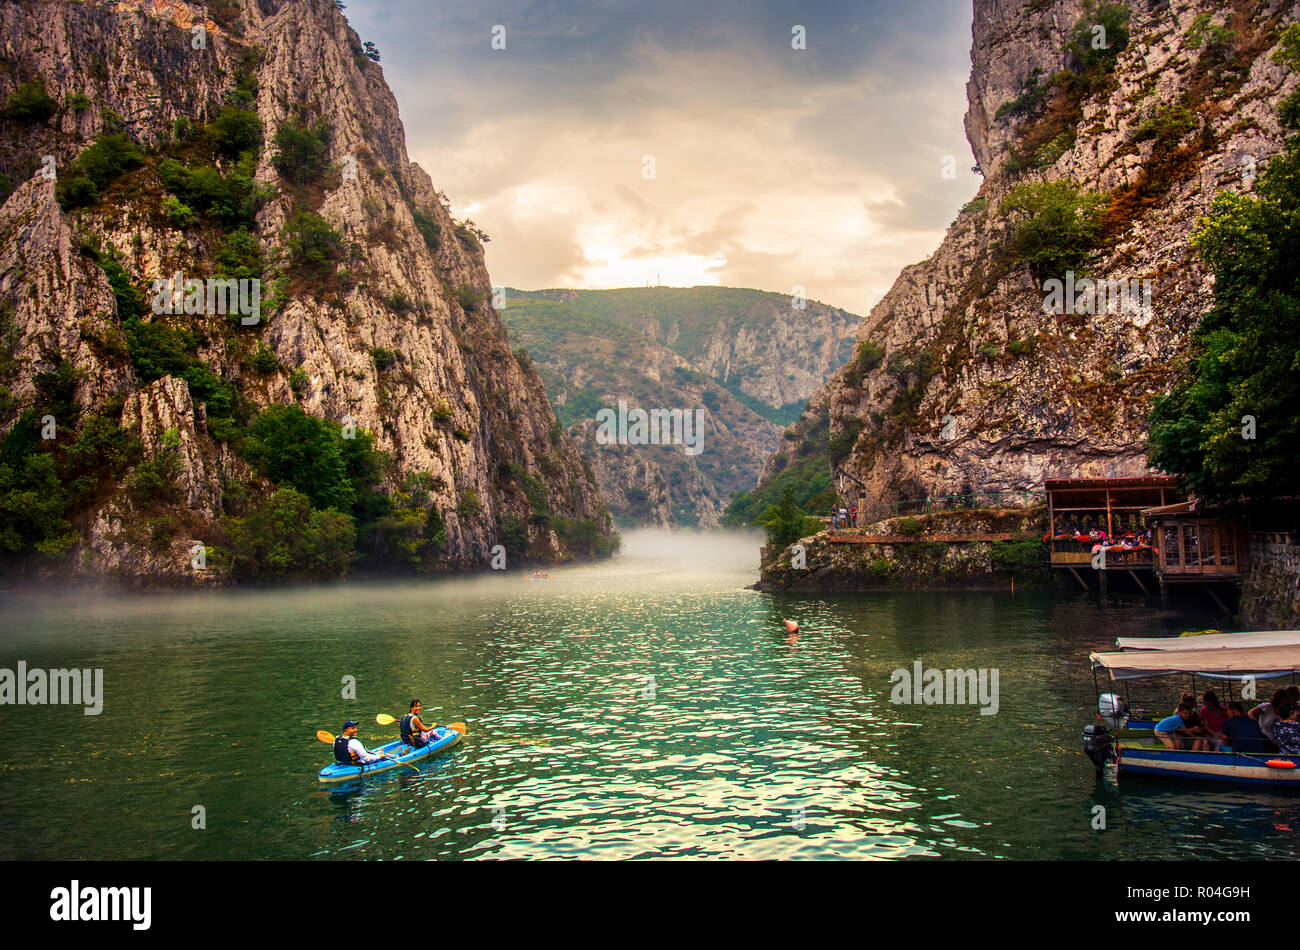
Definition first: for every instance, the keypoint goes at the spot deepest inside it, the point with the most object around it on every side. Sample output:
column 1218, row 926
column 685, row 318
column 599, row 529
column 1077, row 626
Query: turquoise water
column 645, row 707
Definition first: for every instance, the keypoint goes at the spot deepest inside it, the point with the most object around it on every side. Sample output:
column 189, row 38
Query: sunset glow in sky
column 773, row 167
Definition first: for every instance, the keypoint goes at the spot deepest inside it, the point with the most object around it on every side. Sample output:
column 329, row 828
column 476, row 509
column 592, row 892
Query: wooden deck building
column 1076, row 507
column 1152, row 530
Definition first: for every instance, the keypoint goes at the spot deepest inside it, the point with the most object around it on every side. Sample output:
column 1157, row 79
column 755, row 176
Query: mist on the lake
column 649, row 559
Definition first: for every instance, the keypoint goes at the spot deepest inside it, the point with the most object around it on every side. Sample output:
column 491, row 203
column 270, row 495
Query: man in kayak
column 414, row 732
column 349, row 750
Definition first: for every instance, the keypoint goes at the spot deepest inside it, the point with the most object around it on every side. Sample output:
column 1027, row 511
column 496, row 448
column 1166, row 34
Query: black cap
column 349, row 723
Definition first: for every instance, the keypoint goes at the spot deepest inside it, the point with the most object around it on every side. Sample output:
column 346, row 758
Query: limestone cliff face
column 775, row 352
column 452, row 404
column 732, row 354
column 654, row 485
column 777, row 348
column 974, row 386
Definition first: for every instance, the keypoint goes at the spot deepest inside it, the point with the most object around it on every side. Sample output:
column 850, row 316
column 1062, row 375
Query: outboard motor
column 1097, row 745
column 1112, row 711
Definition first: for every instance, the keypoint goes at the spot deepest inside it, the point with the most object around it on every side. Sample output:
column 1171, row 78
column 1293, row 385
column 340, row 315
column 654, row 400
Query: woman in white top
column 1266, row 713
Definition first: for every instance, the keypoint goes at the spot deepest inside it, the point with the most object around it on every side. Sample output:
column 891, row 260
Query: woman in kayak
column 349, row 750
column 414, row 732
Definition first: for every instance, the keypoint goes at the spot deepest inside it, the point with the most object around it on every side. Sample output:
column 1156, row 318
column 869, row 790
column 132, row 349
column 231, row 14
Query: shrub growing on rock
column 82, row 182
column 29, row 102
column 1055, row 225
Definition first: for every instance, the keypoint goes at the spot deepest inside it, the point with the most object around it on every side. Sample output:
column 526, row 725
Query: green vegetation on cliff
column 54, row 463
column 786, row 522
column 802, row 472
column 397, row 531
column 1232, row 426
column 1054, row 226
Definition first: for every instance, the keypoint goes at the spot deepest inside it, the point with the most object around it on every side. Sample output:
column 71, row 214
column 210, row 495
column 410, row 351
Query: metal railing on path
column 934, row 504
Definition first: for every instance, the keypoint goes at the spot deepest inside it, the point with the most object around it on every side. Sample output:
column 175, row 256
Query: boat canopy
column 1213, row 641
column 1261, row 662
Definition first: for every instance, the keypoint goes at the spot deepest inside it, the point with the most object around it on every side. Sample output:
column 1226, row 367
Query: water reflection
column 648, row 706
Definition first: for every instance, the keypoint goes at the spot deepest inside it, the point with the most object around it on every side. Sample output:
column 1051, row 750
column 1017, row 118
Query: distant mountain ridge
column 743, row 355
column 755, row 343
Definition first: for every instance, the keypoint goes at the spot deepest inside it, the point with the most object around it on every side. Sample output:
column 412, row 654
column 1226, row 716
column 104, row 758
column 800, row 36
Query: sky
column 682, row 143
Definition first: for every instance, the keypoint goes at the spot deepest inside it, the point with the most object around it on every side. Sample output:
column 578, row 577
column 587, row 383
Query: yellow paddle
column 324, row 736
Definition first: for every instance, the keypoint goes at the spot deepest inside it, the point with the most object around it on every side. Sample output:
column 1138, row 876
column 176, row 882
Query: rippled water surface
column 645, row 707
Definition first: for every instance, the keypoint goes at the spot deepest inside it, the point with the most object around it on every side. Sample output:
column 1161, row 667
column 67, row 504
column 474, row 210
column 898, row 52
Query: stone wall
column 942, row 551
column 1270, row 596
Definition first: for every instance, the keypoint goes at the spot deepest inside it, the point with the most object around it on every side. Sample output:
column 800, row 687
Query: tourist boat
column 1227, row 658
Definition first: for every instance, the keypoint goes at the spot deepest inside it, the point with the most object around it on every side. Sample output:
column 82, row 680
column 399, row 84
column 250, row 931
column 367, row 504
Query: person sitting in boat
column 414, row 732
column 1286, row 731
column 1178, row 732
column 349, row 750
column 1241, row 731
column 1266, row 713
column 1213, row 714
column 1195, row 724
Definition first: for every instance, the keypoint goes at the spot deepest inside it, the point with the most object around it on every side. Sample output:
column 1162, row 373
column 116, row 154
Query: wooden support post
column 1215, row 597
column 1051, row 519
column 1080, row 580
column 1133, row 574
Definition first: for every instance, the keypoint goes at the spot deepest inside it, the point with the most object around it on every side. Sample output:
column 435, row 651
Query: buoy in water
column 791, row 627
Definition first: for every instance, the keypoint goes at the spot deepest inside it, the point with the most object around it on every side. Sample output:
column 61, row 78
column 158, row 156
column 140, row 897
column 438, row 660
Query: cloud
column 773, row 167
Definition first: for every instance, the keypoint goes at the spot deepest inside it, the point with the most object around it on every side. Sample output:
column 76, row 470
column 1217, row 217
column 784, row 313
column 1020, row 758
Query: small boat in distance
column 1245, row 658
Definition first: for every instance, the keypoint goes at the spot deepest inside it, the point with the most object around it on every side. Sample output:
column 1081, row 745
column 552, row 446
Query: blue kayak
column 442, row 738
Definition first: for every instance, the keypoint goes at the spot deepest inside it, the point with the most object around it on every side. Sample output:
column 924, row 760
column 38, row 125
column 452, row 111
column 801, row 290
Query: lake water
column 648, row 706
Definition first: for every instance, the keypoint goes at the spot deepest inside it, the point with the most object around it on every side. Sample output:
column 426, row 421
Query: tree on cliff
column 1232, row 426
column 786, row 522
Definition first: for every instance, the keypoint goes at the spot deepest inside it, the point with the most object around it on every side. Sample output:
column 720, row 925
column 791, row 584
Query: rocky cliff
column 252, row 139
column 775, row 348
column 745, row 359
column 1102, row 132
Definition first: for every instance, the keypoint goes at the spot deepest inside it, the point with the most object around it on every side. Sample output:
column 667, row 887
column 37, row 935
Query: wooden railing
column 1115, row 558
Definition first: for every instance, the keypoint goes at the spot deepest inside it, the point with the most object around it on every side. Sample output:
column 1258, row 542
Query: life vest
column 406, row 729
column 344, row 755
